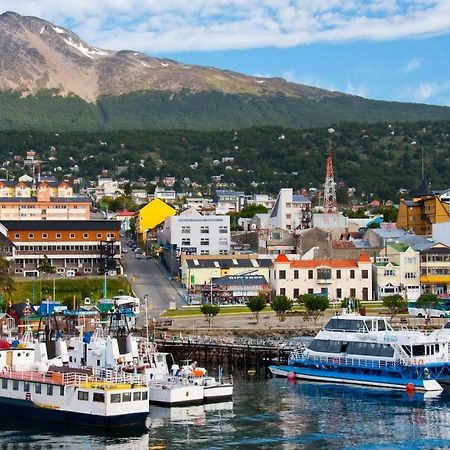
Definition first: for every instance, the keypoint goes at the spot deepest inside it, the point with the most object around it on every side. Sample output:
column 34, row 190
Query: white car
column 124, row 250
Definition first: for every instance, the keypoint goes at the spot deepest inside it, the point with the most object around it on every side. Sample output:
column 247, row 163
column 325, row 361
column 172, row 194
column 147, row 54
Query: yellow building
column 435, row 269
column 425, row 209
column 152, row 215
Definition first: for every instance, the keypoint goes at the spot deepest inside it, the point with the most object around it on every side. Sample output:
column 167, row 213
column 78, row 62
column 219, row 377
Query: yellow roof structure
column 153, row 214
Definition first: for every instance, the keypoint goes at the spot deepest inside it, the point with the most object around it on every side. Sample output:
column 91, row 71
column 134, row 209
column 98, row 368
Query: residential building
column 167, row 195
column 46, row 201
column 261, row 199
column 83, row 246
column 198, row 270
column 139, row 196
column 125, row 218
column 151, row 216
column 228, row 201
column 425, row 209
column 435, row 269
column 397, row 271
column 193, row 233
column 335, row 278
column 106, row 187
column 290, row 212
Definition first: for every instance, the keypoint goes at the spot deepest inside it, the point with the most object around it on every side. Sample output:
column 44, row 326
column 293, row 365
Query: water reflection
column 268, row 414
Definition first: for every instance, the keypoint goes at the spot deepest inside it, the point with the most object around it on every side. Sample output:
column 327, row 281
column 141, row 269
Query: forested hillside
column 373, row 158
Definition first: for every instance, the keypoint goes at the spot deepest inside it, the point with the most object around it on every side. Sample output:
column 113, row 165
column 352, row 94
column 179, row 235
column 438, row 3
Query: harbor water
column 267, row 414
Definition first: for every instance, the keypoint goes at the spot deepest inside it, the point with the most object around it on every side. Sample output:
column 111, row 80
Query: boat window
column 61, row 391
column 407, row 349
column 372, row 349
column 99, row 397
column 26, row 386
column 98, row 363
column 332, row 324
column 447, row 325
column 346, row 325
column 49, row 389
column 145, row 395
column 38, row 388
column 115, row 398
column 83, row 395
column 136, row 396
column 4, row 383
column 126, row 397
column 15, row 385
column 386, row 351
column 418, row 350
column 381, row 325
column 356, row 348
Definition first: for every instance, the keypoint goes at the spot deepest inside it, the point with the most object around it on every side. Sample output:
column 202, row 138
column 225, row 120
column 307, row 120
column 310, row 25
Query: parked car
column 124, row 250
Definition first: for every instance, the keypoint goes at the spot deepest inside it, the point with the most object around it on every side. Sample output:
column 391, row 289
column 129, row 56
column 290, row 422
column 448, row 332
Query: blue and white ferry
column 365, row 350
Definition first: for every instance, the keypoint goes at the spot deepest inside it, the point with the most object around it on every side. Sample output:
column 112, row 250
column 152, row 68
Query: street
column 147, row 278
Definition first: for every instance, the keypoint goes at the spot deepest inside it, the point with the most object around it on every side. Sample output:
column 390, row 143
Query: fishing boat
column 365, row 350
column 67, row 395
column 214, row 390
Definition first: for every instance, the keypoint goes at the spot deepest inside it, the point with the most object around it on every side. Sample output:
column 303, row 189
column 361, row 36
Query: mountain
column 52, row 79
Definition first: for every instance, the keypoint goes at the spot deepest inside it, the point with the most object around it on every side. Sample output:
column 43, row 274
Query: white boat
column 365, row 350
column 214, row 390
column 66, row 395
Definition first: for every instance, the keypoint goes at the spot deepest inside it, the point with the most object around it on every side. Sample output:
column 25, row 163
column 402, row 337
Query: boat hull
column 218, row 393
column 360, row 379
column 168, row 395
column 25, row 409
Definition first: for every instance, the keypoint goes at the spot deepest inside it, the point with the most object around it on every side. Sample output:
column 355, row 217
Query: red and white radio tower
column 329, row 194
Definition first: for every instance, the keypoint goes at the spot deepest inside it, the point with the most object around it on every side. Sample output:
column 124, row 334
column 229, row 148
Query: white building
column 290, row 211
column 335, row 278
column 106, row 187
column 397, row 271
column 193, row 233
column 261, row 199
column 167, row 195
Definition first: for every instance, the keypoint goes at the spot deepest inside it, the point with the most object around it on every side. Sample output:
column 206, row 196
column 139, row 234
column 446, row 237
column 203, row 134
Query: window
column 310, row 291
column 185, row 241
column 15, row 385
column 365, row 274
column 204, row 241
column 61, row 391
column 204, row 229
column 72, row 235
column 310, row 274
column 17, row 236
column 58, row 235
column 281, row 274
column 295, row 274
column 338, row 293
column 44, row 235
column 99, row 397
column 296, row 292
column 115, row 398
column 99, row 235
column 4, row 383
column 282, row 291
column 26, row 386
column 338, row 274
column 389, row 272
column 85, row 235
column 145, row 395
column 204, row 252
column 186, row 230
column 136, row 396
column 126, row 397
column 223, row 229
column 324, row 274
column 410, row 275
column 352, row 274
column 38, row 388
column 352, row 293
column 30, row 235
column 49, row 389
column 83, row 395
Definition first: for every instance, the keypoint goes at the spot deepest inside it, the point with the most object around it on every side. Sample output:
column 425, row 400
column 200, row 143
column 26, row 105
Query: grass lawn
column 195, row 311
column 80, row 287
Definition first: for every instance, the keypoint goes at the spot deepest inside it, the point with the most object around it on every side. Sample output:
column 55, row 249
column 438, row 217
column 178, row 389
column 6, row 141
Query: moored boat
column 364, row 350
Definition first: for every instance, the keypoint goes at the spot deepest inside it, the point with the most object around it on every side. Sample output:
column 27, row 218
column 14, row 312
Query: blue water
column 267, row 414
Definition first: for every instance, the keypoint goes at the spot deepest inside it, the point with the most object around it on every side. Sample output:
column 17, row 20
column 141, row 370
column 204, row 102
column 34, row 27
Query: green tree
column 46, row 268
column 281, row 304
column 250, row 210
column 256, row 305
column 6, row 281
column 315, row 305
column 210, row 311
column 395, row 304
column 428, row 302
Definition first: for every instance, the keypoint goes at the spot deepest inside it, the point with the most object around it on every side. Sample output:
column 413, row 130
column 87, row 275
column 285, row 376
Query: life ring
column 420, row 362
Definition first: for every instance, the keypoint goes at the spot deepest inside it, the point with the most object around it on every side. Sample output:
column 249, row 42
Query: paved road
column 146, row 277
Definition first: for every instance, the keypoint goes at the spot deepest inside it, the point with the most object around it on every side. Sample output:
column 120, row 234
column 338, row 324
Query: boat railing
column 351, row 362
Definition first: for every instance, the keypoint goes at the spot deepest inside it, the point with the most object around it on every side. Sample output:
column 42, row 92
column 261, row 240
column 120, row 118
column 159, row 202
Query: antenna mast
column 329, row 195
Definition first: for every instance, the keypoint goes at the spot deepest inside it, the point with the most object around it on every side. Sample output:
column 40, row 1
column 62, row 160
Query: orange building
column 425, row 209
column 72, row 247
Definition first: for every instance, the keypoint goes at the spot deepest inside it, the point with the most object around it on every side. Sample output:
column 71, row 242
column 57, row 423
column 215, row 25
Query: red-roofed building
column 336, row 278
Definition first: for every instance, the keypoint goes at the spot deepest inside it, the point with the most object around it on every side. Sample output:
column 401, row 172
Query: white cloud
column 181, row 25
column 412, row 65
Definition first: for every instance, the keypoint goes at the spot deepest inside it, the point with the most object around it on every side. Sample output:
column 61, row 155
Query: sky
column 381, row 49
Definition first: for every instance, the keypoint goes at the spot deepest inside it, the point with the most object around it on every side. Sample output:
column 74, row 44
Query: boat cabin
column 357, row 325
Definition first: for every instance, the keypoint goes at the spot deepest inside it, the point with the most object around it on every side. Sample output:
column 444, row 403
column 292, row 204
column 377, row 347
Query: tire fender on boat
column 420, row 362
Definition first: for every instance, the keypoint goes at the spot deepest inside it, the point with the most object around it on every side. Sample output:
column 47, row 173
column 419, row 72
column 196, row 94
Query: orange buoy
column 291, row 376
column 410, row 387
column 199, row 372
